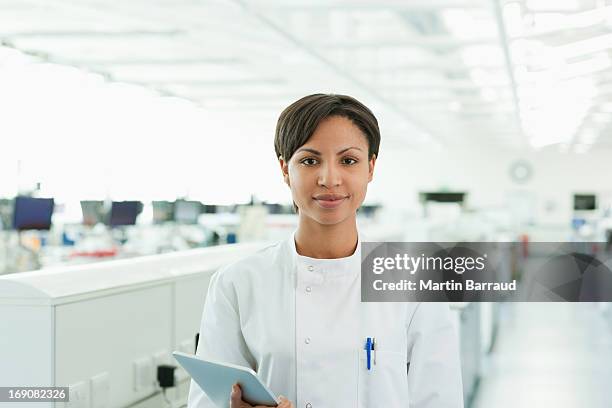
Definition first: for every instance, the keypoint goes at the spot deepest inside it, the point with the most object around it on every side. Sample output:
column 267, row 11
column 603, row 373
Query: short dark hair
column 299, row 121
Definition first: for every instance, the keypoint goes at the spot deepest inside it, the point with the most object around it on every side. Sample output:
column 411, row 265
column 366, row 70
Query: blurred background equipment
column 32, row 213
column 163, row 211
column 187, row 212
column 585, row 202
column 124, row 213
column 93, row 212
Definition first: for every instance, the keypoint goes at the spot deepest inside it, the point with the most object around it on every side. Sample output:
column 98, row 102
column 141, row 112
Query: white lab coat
column 300, row 324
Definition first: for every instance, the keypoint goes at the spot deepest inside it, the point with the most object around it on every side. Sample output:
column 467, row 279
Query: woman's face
column 329, row 175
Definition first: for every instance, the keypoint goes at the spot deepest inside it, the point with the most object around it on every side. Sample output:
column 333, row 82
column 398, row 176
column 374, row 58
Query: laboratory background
column 137, row 158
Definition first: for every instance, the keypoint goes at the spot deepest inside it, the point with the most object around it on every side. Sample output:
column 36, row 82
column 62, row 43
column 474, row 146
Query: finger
column 236, row 397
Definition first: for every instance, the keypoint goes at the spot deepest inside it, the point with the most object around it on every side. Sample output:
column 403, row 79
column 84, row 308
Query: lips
column 330, row 200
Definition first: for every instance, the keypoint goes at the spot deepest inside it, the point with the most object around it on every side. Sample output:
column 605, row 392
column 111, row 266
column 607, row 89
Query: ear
column 284, row 169
column 371, row 165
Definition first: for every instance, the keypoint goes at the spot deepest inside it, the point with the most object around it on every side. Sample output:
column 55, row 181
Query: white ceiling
column 467, row 72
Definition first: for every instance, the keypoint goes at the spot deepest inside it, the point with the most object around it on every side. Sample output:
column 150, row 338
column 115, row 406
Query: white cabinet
column 103, row 328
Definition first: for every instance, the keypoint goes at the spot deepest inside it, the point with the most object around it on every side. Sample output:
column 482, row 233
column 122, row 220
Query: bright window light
column 121, row 141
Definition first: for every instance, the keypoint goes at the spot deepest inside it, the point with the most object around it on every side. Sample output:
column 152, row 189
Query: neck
column 315, row 240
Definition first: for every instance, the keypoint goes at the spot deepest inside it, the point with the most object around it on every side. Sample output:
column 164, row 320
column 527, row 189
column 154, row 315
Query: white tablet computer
column 216, row 380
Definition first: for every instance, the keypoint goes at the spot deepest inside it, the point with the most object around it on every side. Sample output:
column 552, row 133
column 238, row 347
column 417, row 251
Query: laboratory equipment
column 163, row 211
column 93, row 212
column 6, row 213
column 187, row 212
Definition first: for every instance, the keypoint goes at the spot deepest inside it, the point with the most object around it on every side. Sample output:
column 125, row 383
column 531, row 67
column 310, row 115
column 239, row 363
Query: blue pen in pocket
column 368, row 349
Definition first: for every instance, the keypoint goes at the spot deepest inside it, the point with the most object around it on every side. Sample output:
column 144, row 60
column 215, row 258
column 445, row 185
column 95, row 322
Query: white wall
column 484, row 174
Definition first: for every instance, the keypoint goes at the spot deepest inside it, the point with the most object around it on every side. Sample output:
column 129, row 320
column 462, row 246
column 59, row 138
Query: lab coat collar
column 348, row 266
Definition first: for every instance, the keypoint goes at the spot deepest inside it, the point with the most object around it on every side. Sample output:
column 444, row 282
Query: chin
column 330, row 218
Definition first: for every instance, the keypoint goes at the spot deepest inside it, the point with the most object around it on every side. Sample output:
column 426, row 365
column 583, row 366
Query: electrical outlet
column 100, row 391
column 143, row 374
column 78, row 395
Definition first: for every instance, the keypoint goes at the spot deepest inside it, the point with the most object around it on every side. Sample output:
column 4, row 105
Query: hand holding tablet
column 217, row 380
column 236, row 400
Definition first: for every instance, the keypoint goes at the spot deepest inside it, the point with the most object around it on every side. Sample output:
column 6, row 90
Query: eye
column 349, row 161
column 309, row 161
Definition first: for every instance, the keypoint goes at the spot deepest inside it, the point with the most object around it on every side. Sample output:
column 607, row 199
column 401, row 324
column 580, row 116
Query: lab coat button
column 310, row 268
column 308, row 405
column 307, row 340
column 308, row 289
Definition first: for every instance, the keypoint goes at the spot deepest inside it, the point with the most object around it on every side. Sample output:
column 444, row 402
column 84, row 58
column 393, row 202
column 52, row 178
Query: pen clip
column 374, row 347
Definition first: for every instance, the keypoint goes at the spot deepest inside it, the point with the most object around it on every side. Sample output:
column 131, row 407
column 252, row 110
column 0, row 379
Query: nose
column 329, row 176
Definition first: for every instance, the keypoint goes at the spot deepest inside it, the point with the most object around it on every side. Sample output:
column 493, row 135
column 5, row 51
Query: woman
column 292, row 311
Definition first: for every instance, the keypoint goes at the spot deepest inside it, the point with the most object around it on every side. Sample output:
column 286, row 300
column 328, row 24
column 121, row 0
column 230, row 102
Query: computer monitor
column 124, row 213
column 93, row 212
column 163, row 211
column 209, row 209
column 443, row 197
column 32, row 213
column 273, row 208
column 187, row 212
column 369, row 209
column 584, row 202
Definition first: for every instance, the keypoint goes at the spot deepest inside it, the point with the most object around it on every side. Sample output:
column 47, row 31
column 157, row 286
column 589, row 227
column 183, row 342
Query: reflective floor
column 549, row 355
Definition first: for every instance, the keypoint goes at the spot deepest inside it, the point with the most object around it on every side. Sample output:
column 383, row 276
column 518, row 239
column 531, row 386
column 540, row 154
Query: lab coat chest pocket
column 386, row 383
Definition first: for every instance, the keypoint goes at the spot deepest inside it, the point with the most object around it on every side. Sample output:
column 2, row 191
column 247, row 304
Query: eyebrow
column 318, row 153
